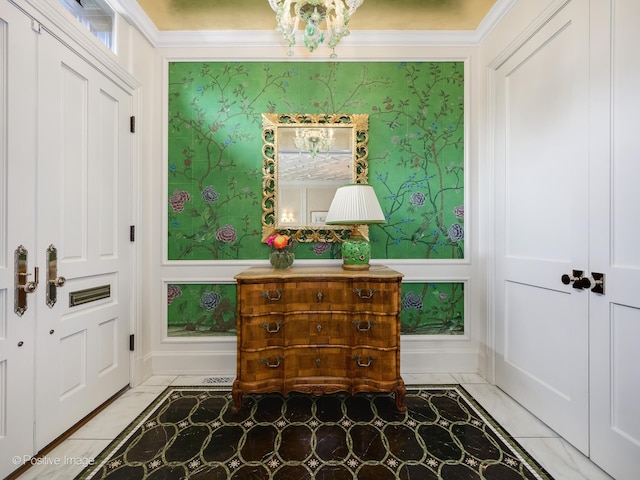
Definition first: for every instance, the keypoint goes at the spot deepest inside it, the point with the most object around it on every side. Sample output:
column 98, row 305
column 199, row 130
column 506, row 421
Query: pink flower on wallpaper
column 178, row 199
column 226, row 234
column 320, row 247
column 456, row 232
column 459, row 211
column 412, row 300
column 173, row 292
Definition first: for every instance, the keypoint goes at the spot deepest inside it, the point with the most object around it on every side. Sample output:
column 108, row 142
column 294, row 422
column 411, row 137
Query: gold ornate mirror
column 306, row 157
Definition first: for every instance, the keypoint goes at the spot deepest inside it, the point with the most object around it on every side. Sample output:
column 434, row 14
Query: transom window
column 96, row 15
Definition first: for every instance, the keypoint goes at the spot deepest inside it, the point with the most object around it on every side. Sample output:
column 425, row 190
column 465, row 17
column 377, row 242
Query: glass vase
column 281, row 260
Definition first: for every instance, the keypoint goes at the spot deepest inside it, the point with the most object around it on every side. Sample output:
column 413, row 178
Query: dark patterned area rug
column 191, row 432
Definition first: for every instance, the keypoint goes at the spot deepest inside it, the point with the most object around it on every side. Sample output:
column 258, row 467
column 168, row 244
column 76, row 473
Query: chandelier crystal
column 335, row 13
column 314, row 140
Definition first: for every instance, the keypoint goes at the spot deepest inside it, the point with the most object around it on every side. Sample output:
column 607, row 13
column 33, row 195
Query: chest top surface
column 376, row 272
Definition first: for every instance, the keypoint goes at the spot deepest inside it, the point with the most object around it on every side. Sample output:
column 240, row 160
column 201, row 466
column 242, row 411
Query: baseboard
column 458, row 360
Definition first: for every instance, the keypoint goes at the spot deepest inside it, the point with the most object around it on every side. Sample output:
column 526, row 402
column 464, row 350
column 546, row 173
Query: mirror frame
column 271, row 122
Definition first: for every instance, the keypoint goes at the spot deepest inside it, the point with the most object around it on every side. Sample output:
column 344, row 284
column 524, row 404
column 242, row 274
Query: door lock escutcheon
column 53, row 280
column 598, row 282
column 22, row 284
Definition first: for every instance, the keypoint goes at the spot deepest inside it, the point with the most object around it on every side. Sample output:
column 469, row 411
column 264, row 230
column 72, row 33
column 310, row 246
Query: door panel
column 530, row 311
column 83, row 210
column 615, row 316
column 17, row 227
column 542, row 227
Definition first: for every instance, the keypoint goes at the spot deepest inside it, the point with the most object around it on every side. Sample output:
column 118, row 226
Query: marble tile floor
column 559, row 458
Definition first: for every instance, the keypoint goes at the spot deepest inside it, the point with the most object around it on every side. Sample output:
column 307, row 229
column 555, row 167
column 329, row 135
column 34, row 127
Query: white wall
column 145, row 53
column 138, row 55
column 216, row 356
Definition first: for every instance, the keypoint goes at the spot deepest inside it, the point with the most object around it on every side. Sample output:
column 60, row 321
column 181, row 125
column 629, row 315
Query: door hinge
column 132, row 233
column 132, row 123
column 35, row 26
column 131, row 342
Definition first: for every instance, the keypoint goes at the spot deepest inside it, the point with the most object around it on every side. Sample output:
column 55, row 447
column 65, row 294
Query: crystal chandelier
column 314, row 140
column 335, row 13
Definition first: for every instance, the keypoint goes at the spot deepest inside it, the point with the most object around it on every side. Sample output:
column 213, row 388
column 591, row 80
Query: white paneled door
column 17, row 207
column 542, row 330
column 84, row 208
column 65, row 205
column 567, row 196
column 615, row 219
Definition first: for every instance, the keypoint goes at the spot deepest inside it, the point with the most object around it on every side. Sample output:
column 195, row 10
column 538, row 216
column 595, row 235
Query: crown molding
column 135, row 15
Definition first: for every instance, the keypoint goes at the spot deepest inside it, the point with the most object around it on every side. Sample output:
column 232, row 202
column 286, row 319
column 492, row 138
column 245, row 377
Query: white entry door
column 17, row 228
column 84, row 213
column 542, row 223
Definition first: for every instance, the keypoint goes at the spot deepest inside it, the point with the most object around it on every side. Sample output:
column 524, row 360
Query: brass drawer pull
column 319, row 327
column 362, row 294
column 267, row 327
column 369, row 323
column 267, row 295
column 320, row 296
column 266, row 362
column 366, row 363
column 317, row 362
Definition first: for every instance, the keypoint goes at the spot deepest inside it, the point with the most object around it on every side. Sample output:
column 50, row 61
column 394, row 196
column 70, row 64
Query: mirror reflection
column 312, row 164
column 306, row 158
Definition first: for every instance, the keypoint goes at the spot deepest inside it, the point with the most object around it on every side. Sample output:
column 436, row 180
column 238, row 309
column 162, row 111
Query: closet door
column 542, row 223
column 83, row 218
column 615, row 315
column 17, row 227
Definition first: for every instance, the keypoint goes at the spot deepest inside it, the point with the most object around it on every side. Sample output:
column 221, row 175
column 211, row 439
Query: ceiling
column 213, row 15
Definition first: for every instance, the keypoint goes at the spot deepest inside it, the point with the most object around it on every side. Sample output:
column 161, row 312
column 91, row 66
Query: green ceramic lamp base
column 356, row 253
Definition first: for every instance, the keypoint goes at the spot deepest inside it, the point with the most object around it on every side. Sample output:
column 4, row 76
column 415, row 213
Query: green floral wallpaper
column 416, row 157
column 432, row 309
column 201, row 309
column 210, row 309
column 416, row 166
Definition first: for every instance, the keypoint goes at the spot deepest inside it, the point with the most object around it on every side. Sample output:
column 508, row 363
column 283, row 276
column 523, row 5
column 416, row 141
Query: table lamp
column 355, row 205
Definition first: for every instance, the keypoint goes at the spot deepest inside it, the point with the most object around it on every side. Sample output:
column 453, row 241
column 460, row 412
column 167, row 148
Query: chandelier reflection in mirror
column 335, row 13
column 314, row 140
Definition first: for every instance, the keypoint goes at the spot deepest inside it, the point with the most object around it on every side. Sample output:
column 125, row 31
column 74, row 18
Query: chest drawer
column 259, row 331
column 374, row 330
column 258, row 298
column 319, row 328
column 377, row 297
column 304, row 362
column 378, row 365
column 263, row 365
column 317, row 296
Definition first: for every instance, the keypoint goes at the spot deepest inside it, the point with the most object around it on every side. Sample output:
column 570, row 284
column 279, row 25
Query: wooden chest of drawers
column 318, row 330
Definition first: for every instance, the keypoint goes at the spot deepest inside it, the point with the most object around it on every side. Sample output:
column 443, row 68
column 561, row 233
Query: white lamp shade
column 355, row 204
